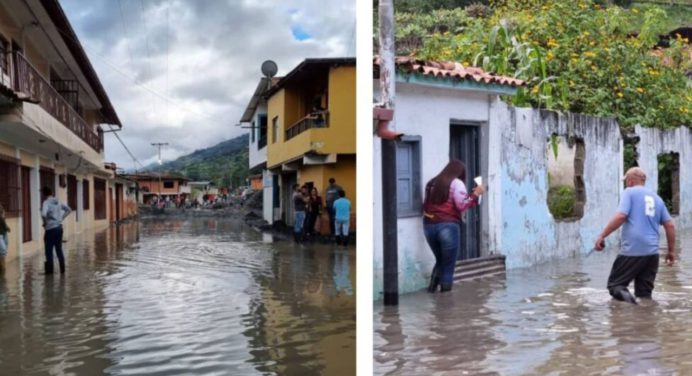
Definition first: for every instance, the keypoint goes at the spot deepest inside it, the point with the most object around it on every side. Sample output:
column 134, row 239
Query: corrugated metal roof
column 449, row 69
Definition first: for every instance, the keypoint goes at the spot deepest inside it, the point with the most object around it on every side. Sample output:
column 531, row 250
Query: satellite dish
column 269, row 68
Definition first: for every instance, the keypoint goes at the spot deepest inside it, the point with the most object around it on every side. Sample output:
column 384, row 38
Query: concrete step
column 479, row 268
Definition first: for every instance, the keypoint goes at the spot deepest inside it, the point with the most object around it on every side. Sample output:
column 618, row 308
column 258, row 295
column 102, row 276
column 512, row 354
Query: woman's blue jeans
column 443, row 239
column 299, row 220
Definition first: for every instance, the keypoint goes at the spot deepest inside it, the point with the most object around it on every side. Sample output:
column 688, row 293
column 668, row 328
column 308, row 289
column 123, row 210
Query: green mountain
column 225, row 164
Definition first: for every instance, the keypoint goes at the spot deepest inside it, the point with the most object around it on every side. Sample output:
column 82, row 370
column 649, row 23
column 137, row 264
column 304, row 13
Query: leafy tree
column 575, row 56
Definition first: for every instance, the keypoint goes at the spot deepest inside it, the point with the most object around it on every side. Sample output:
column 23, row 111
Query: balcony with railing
column 28, row 81
column 313, row 120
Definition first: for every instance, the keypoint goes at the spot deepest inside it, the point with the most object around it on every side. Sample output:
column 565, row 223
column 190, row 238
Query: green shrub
column 561, row 201
column 575, row 56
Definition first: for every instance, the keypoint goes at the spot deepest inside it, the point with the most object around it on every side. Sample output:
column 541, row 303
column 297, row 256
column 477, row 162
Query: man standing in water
column 641, row 211
column 299, row 212
column 331, row 195
column 53, row 213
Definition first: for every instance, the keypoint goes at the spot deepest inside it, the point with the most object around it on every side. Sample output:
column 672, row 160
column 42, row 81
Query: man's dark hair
column 332, row 180
column 295, row 186
column 46, row 191
column 342, row 193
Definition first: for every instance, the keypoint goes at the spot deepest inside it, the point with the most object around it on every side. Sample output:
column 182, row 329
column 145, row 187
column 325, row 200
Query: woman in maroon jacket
column 446, row 199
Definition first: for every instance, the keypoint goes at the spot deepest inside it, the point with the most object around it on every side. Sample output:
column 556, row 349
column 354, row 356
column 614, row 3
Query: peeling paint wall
column 654, row 142
column 516, row 219
column 527, row 232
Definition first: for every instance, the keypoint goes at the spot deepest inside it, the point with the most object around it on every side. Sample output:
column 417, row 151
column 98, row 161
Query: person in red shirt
column 446, row 199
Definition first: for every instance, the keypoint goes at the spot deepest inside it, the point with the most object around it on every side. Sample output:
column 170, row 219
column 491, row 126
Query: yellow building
column 311, row 115
column 51, row 107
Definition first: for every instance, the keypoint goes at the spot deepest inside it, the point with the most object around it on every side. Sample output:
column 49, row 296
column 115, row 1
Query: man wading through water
column 641, row 211
column 53, row 213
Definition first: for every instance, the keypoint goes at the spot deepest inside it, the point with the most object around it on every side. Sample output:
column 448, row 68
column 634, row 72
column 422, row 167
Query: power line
column 127, row 149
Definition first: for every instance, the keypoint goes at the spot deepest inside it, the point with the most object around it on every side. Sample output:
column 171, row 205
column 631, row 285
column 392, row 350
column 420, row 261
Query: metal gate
column 464, row 145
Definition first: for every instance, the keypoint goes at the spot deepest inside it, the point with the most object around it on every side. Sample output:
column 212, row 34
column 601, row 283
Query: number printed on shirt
column 650, row 206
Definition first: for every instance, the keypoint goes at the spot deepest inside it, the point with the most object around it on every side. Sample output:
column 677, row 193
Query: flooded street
column 202, row 296
column 555, row 318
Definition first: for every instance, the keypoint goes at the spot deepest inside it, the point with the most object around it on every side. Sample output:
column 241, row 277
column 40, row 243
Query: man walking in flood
column 331, row 194
column 641, row 211
column 53, row 213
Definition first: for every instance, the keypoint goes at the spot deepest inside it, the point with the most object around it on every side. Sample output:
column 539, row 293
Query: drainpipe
column 389, row 196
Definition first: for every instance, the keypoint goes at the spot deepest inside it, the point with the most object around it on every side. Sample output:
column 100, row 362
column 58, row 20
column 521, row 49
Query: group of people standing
column 308, row 207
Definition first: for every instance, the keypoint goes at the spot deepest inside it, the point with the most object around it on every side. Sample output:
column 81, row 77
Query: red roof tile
column 450, row 69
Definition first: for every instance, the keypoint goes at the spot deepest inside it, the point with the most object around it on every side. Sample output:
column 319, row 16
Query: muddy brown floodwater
column 552, row 319
column 196, row 296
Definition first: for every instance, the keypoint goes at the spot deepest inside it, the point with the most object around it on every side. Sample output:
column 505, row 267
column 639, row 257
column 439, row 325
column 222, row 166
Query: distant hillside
column 225, row 164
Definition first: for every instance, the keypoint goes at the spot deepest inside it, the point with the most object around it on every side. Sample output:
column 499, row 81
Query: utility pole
column 390, row 246
column 159, row 145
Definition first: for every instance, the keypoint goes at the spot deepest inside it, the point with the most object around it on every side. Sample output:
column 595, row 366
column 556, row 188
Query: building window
column 275, row 129
column 99, row 198
column 252, row 132
column 85, row 194
column 408, row 177
column 4, row 56
column 262, row 129
column 9, row 186
column 168, row 184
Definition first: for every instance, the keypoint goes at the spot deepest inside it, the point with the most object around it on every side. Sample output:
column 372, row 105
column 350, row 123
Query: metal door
column 464, row 145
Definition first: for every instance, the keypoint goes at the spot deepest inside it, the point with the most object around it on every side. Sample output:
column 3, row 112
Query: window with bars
column 408, row 177
column 9, row 186
column 4, row 56
column 99, row 199
column 85, row 194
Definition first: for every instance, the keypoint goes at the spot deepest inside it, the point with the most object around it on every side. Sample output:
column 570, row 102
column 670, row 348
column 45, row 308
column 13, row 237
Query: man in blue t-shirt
column 342, row 217
column 642, row 212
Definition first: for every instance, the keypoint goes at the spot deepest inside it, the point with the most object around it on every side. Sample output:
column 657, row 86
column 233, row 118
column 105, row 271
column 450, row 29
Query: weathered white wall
column 267, row 196
column 517, row 222
column 424, row 112
column 527, row 233
column 256, row 156
column 654, row 142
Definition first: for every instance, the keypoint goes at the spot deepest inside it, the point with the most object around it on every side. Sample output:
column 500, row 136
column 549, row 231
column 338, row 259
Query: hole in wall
column 566, row 189
column 669, row 181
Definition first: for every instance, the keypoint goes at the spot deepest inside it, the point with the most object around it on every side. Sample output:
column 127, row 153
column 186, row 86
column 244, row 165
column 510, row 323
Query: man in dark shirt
column 331, row 195
column 299, row 212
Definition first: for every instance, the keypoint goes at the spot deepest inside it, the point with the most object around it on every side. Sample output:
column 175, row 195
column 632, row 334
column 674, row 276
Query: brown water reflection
column 555, row 318
column 198, row 296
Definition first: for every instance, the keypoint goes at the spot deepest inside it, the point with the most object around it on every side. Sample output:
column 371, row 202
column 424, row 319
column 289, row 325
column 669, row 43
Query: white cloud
column 204, row 55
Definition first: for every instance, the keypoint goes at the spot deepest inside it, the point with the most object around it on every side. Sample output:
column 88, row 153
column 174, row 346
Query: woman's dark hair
column 439, row 191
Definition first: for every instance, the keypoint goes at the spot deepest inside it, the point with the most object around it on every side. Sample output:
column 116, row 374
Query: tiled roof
column 450, row 69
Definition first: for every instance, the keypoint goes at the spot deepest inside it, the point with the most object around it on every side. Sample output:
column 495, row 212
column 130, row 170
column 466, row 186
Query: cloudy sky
column 182, row 71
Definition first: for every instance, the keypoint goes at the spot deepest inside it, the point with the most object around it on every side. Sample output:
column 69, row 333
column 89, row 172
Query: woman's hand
column 478, row 190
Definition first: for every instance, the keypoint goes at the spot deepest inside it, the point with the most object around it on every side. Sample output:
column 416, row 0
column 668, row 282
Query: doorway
column 288, row 180
column 464, row 145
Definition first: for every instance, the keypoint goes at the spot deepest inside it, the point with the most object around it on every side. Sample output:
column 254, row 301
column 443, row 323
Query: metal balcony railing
column 317, row 120
column 28, row 81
